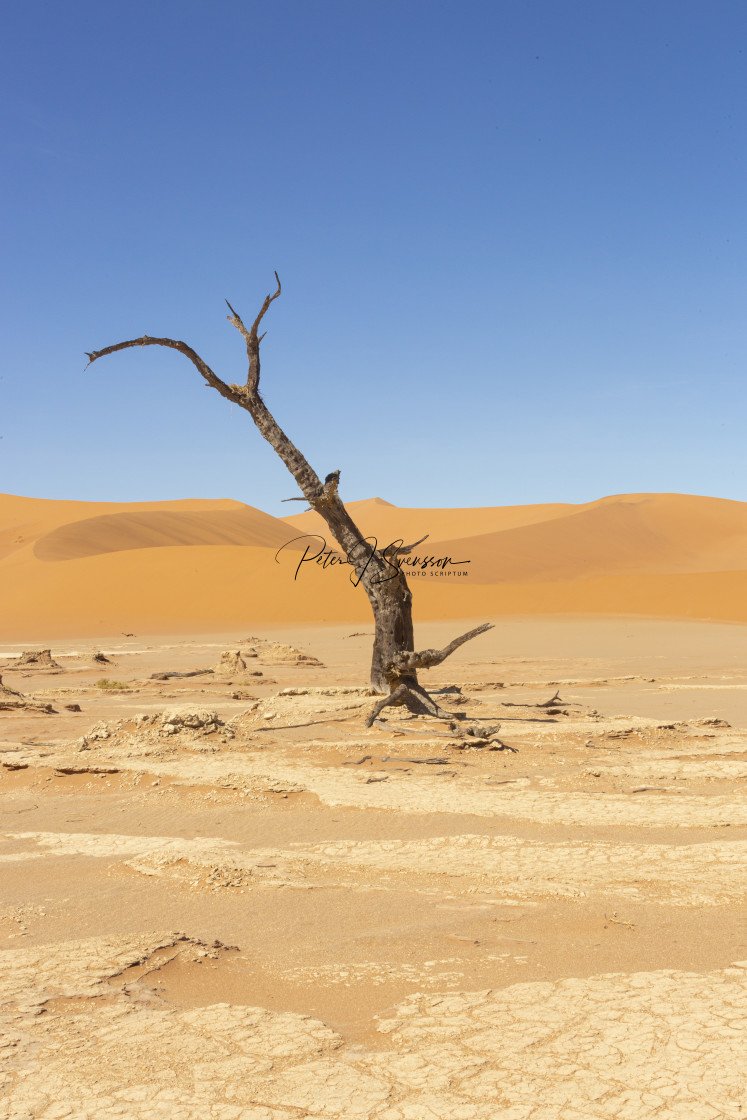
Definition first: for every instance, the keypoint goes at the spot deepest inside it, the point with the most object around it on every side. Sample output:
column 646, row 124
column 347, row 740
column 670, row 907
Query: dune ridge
column 122, row 532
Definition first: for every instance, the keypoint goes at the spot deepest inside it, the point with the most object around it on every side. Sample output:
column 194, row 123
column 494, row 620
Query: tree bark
column 394, row 662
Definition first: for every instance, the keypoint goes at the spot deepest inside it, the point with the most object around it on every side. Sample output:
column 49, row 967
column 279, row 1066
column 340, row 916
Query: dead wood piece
column 397, row 730
column 86, row 770
column 427, row 761
column 476, row 737
column 11, row 701
column 474, row 730
column 358, row 761
column 484, row 744
column 168, row 676
column 551, row 702
column 613, row 917
column 5, row 691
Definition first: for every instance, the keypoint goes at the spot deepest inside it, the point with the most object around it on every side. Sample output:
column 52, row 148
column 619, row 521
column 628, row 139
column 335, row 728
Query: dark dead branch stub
column 169, row 676
column 425, row 761
column 399, row 548
column 394, row 664
column 403, row 727
column 9, row 692
column 466, row 735
column 551, row 702
column 475, row 736
column 11, row 700
column 548, row 706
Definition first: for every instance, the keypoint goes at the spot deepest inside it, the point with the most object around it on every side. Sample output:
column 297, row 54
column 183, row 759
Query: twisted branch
column 425, row 659
column 230, row 392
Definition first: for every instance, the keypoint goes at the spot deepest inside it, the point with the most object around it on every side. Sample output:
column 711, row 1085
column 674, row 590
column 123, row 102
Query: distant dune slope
column 388, row 523
column 119, row 532
column 24, row 520
column 624, row 533
column 87, row 568
column 653, row 534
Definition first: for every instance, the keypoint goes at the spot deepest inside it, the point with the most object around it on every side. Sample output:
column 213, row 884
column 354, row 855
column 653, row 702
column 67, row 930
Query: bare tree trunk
column 395, row 663
column 392, row 611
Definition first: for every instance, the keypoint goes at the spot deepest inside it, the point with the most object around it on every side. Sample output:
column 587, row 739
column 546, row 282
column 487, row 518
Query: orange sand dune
column 24, row 520
column 84, row 568
column 389, row 523
column 626, row 529
column 118, row 532
column 636, row 535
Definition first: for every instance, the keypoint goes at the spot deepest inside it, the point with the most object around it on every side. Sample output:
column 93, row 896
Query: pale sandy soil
column 268, row 912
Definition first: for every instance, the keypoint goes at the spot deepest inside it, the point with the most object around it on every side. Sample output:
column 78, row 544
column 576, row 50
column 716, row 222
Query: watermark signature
column 410, row 566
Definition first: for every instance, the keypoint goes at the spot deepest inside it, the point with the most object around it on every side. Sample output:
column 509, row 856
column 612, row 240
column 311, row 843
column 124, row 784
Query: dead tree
column 395, row 663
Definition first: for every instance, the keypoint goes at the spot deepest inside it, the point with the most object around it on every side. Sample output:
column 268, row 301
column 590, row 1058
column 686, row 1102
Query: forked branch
column 252, row 339
column 404, row 661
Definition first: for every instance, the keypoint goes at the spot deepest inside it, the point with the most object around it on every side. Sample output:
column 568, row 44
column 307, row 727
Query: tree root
column 412, row 696
column 405, row 689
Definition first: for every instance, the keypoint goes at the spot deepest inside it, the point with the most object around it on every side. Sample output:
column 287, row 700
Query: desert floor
column 224, row 897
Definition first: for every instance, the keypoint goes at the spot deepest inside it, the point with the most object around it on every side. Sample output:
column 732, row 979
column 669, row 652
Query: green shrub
column 104, row 683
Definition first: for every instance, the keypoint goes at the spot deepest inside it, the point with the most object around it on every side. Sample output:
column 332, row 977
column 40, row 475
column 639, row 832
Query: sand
column 75, row 569
column 224, row 897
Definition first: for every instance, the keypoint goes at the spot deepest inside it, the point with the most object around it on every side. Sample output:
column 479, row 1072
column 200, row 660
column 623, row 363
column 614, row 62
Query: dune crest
column 121, row 532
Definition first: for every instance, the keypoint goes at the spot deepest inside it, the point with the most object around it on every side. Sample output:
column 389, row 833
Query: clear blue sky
column 511, row 237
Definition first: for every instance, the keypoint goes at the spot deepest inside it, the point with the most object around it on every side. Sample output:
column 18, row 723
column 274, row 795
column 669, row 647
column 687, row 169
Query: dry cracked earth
column 225, row 898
